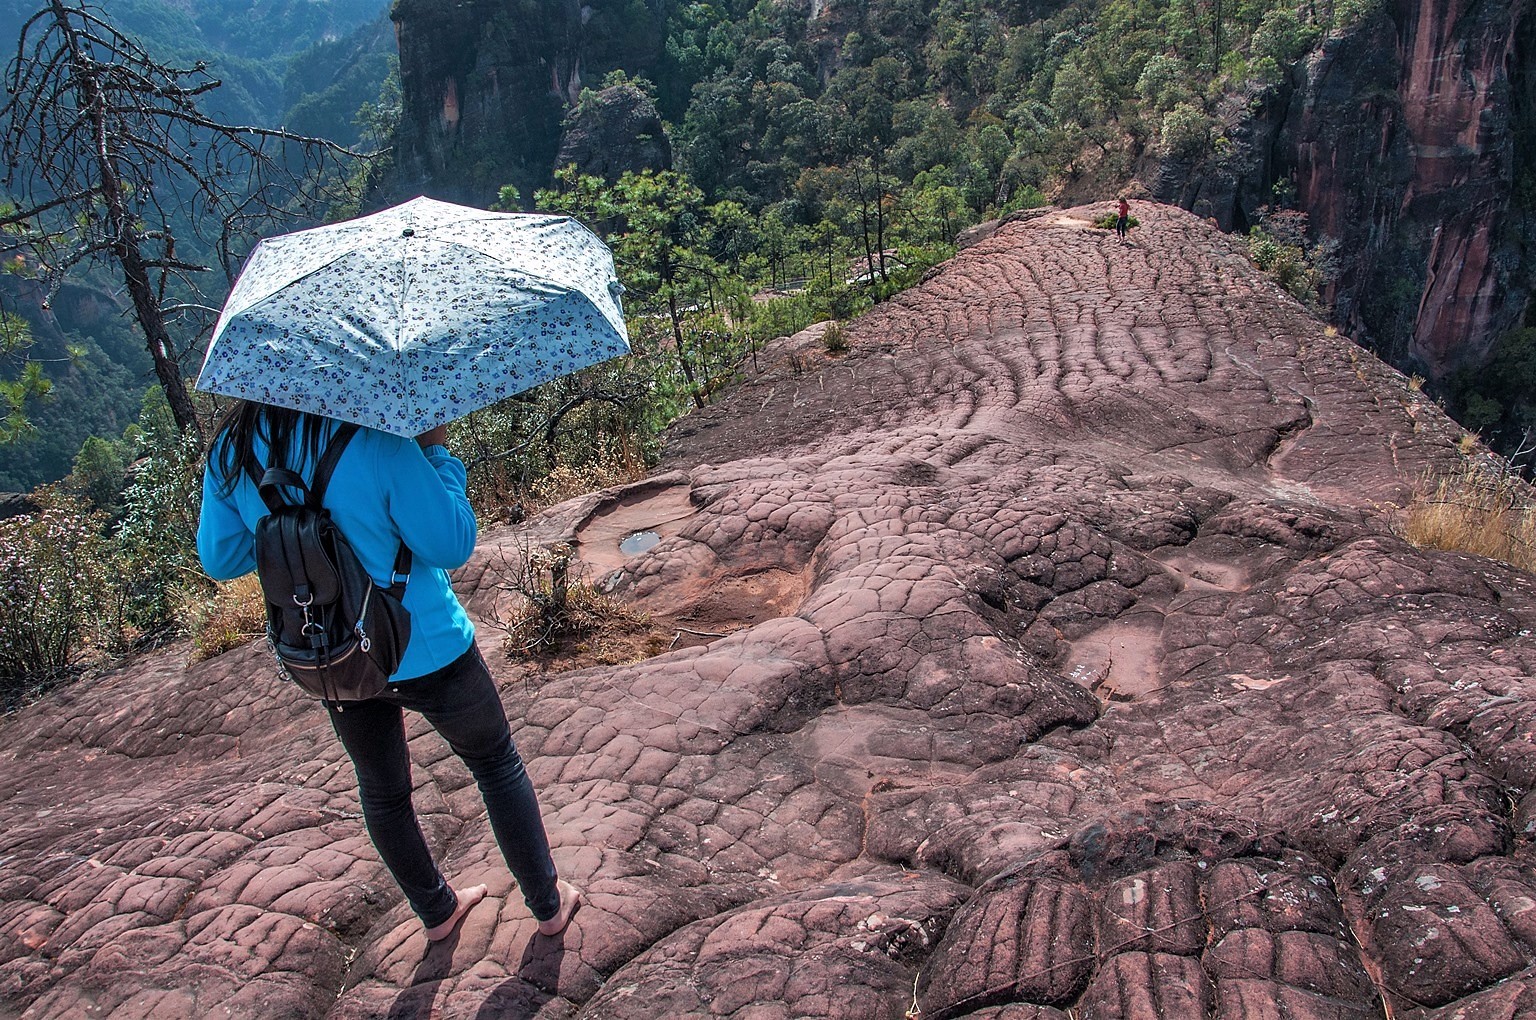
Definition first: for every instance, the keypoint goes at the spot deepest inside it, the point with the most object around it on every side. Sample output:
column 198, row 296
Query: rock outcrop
column 485, row 86
column 1400, row 137
column 617, row 129
column 1048, row 654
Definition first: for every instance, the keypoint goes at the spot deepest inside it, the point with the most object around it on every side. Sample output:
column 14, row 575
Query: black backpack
column 335, row 633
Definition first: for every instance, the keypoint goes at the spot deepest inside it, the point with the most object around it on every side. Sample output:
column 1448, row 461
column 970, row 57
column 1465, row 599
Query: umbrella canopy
column 416, row 315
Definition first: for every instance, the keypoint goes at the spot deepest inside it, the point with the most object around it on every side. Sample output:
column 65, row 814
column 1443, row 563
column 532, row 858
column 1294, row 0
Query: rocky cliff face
column 617, row 130
column 486, row 85
column 1402, row 139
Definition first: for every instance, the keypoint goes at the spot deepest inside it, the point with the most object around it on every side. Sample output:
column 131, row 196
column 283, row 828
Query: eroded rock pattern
column 1048, row 655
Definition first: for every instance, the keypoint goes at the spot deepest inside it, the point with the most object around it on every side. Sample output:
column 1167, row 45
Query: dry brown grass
column 235, row 615
column 1475, row 511
column 594, row 629
column 562, row 621
column 499, row 493
column 566, row 482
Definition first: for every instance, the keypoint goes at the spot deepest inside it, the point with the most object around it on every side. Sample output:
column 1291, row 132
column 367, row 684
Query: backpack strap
column 275, row 477
column 269, row 486
column 333, row 449
column 270, row 483
column 400, row 576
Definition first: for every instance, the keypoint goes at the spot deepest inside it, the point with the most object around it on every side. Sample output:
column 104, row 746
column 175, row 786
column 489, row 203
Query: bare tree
column 108, row 155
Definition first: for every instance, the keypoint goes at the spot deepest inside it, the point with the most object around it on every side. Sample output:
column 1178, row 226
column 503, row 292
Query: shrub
column 562, row 612
column 99, row 470
column 1476, row 511
column 1109, row 219
column 565, row 481
column 235, row 615
column 835, row 301
column 834, row 339
column 56, row 569
column 1291, row 271
column 1289, row 264
column 600, row 426
column 781, row 316
column 1262, row 249
column 1186, row 132
column 156, row 538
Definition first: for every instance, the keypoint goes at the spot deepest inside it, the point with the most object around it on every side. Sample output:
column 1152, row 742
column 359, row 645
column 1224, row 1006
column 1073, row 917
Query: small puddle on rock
column 638, row 542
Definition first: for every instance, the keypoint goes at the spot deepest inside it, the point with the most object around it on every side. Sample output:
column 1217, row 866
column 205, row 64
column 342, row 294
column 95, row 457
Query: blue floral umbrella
column 416, row 315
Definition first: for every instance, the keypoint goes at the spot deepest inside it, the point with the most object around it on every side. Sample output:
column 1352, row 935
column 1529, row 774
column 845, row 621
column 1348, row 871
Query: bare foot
column 570, row 899
column 467, row 898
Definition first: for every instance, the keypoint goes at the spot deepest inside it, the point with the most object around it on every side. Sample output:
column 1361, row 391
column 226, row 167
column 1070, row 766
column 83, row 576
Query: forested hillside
column 301, row 64
column 834, row 144
column 273, row 56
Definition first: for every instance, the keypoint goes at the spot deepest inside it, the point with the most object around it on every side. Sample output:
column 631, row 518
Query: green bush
column 1282, row 36
column 99, row 470
column 1262, row 249
column 1109, row 220
column 1186, row 132
column 1164, row 82
column 156, row 539
column 1290, row 264
column 834, row 339
column 56, row 569
column 1348, row 13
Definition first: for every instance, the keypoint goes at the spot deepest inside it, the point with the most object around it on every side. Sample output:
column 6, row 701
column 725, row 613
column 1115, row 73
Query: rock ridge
column 1068, row 666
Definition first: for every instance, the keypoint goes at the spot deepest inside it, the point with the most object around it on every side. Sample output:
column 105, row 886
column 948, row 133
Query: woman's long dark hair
column 233, row 447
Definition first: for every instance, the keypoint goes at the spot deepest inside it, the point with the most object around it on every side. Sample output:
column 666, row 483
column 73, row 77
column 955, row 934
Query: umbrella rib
column 406, row 250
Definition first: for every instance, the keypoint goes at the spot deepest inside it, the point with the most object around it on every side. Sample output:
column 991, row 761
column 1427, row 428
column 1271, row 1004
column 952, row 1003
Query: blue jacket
column 384, row 489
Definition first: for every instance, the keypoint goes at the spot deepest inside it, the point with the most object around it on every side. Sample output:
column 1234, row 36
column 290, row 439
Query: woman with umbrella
column 400, row 322
column 386, row 490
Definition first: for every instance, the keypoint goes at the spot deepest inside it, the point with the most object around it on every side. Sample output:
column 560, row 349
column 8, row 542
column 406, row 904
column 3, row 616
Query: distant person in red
column 1123, row 224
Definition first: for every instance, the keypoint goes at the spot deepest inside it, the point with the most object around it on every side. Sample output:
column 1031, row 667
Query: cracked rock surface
column 1049, row 654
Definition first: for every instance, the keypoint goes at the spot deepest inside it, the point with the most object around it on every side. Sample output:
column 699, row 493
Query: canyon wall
column 1402, row 140
column 486, row 86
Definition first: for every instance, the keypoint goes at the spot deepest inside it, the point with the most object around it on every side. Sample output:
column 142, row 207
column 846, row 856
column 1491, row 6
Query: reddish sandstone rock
column 1051, row 653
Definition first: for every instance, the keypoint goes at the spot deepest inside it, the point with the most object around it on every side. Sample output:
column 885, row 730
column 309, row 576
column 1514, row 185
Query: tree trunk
column 677, row 329
column 152, row 321
column 880, row 218
column 869, row 255
column 125, row 246
column 1216, row 36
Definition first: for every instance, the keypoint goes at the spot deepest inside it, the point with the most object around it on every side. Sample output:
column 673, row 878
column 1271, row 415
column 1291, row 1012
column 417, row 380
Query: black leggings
column 461, row 703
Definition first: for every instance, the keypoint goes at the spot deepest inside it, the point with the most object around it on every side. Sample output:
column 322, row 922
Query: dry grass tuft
column 234, row 616
column 564, row 621
column 1477, row 511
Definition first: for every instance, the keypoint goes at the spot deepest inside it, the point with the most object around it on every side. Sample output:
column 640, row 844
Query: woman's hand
column 433, row 437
